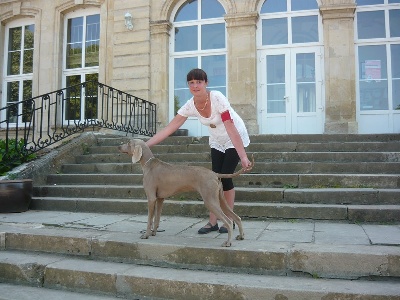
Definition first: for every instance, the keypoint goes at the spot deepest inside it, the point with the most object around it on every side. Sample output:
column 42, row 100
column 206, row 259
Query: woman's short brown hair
column 197, row 74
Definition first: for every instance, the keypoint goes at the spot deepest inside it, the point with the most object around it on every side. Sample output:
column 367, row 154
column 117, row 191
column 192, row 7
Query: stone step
column 267, row 147
column 22, row 292
column 257, row 211
column 129, row 281
column 389, row 181
column 259, row 168
column 111, row 140
column 298, row 248
column 258, row 156
column 248, row 194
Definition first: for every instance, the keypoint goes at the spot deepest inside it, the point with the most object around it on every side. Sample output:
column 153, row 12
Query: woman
column 228, row 134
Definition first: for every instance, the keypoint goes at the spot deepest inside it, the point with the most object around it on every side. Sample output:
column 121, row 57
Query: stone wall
column 137, row 61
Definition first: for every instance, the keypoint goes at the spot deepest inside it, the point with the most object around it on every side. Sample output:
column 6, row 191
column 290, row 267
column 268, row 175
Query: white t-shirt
column 219, row 138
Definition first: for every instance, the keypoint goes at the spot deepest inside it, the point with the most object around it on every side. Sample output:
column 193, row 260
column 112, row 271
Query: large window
column 81, row 62
column 378, row 49
column 198, row 41
column 18, row 62
column 289, row 22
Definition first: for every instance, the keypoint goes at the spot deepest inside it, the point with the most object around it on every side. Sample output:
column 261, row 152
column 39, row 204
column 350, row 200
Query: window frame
column 386, row 41
column 82, row 71
column 21, row 77
column 199, row 54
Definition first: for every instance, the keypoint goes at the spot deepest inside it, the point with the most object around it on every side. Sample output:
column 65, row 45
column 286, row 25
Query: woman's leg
column 223, row 163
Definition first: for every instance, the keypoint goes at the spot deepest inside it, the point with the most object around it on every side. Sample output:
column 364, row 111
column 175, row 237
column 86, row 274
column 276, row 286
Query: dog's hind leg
column 231, row 214
column 151, row 207
column 157, row 214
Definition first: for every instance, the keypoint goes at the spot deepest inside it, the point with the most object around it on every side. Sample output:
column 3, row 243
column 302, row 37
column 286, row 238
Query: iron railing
column 34, row 124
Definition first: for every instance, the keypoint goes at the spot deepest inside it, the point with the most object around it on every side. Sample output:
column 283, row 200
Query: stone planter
column 15, row 195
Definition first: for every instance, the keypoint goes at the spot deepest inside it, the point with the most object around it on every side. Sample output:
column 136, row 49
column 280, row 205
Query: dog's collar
column 149, row 160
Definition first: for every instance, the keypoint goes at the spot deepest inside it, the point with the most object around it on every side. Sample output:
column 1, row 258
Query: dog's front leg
column 157, row 214
column 151, row 207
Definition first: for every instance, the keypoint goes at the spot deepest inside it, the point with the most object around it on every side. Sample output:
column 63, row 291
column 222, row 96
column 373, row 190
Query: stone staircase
column 321, row 215
column 324, row 177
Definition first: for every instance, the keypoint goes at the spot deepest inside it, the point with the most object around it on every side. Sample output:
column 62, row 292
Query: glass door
column 291, row 91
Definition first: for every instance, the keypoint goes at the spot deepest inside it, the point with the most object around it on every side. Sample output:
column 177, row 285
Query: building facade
column 287, row 66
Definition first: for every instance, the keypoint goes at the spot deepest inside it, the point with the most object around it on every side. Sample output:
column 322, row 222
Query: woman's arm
column 237, row 143
column 172, row 126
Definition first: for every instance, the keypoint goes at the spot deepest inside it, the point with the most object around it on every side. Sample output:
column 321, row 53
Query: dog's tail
column 242, row 170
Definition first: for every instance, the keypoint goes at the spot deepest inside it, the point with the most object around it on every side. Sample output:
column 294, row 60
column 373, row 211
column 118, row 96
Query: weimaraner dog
column 162, row 180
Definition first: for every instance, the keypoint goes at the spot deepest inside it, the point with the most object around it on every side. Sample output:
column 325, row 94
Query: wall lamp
column 128, row 21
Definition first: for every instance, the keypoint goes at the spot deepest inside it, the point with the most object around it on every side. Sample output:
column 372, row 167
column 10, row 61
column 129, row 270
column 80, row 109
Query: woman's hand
column 247, row 165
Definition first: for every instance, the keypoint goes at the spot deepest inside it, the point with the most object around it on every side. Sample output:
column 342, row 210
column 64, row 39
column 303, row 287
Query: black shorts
column 225, row 163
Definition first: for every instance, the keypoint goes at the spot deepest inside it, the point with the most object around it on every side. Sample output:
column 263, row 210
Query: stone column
column 159, row 66
column 242, row 66
column 340, row 88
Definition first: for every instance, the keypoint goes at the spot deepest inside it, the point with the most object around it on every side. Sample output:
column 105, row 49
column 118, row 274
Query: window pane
column 272, row 6
column 28, row 61
column 186, row 38
column 275, row 69
column 394, row 20
column 187, row 11
column 14, row 51
column 275, row 31
column 27, row 106
column 215, row 67
column 396, row 94
column 181, row 89
column 374, row 95
column 305, row 29
column 305, row 80
column 12, row 97
column 211, row 9
column 371, row 24
column 92, row 41
column 73, row 98
column 15, row 39
column 373, row 75
column 29, row 36
column 213, row 36
column 394, row 1
column 372, row 62
column 305, row 97
column 304, row 5
column 395, row 50
column 12, row 92
column 305, row 67
column 13, row 62
column 91, row 97
column 276, row 84
column 369, row 2
column 74, row 43
column 28, row 49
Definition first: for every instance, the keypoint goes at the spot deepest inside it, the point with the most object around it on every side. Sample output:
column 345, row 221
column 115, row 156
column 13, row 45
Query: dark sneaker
column 205, row 230
column 223, row 229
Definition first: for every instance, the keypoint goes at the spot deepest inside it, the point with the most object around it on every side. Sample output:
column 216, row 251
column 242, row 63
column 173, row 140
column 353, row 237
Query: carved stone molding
column 160, row 27
column 241, row 19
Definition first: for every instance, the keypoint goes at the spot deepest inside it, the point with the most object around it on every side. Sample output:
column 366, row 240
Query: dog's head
column 133, row 148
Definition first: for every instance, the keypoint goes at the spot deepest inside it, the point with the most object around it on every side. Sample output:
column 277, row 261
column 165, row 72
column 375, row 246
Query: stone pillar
column 340, row 78
column 242, row 66
column 159, row 66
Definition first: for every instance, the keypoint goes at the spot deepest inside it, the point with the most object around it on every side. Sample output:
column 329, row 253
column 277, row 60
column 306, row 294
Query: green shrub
column 16, row 155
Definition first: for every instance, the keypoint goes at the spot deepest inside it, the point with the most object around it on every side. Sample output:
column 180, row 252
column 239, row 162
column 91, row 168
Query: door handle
column 286, row 98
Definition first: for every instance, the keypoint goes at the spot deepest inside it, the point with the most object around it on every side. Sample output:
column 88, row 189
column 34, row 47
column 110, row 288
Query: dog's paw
column 153, row 232
column 144, row 236
column 226, row 244
column 240, row 237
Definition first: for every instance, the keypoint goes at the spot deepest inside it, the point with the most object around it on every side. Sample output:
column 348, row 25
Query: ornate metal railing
column 34, row 124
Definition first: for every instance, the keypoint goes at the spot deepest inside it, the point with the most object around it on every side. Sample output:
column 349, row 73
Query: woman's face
column 197, row 87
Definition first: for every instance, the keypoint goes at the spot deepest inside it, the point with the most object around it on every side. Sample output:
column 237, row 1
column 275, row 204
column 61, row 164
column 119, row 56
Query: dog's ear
column 136, row 153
